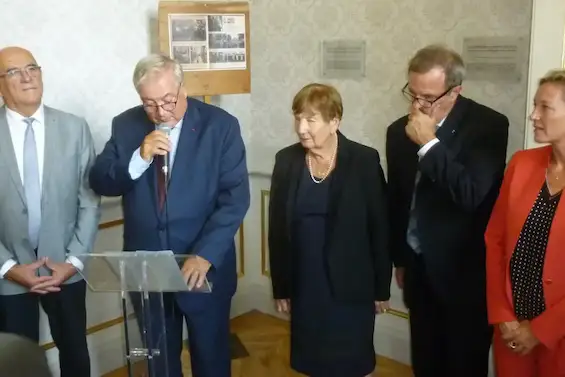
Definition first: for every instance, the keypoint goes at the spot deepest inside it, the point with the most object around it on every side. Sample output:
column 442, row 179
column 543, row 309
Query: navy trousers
column 207, row 317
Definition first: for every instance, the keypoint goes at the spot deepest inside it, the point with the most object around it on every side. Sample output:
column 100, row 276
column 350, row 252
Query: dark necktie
column 412, row 232
column 161, row 189
column 412, row 236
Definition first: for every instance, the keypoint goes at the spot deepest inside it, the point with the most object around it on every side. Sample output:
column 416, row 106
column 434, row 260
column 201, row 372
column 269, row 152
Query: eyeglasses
column 32, row 70
column 422, row 101
column 168, row 106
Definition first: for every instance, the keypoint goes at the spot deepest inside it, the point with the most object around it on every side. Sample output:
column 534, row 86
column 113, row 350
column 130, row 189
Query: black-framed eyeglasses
column 169, row 106
column 426, row 103
column 31, row 70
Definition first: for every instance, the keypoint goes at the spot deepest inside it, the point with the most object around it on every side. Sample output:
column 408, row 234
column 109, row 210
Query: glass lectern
column 141, row 278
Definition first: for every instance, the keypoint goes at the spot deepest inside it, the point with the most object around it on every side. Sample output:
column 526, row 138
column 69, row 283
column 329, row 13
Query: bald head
column 12, row 53
column 21, row 83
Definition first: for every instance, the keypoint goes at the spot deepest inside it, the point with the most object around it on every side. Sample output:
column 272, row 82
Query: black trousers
column 449, row 338
column 66, row 311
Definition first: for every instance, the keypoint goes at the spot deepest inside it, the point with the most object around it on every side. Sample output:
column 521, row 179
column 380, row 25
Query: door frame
column 547, row 44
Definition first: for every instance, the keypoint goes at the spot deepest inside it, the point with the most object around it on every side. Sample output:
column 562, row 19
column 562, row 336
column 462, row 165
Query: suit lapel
column 447, row 131
column 452, row 123
column 8, row 154
column 338, row 179
column 554, row 251
column 151, row 171
column 186, row 147
column 529, row 182
column 295, row 170
column 52, row 150
column 185, row 150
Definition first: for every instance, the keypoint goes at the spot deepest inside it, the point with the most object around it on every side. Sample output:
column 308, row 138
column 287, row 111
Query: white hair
column 155, row 63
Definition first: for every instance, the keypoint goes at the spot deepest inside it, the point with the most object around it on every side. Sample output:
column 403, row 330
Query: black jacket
column 460, row 180
column 356, row 249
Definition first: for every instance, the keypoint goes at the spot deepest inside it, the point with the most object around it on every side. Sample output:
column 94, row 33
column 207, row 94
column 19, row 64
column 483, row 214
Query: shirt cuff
column 75, row 262
column 137, row 165
column 426, row 147
column 6, row 267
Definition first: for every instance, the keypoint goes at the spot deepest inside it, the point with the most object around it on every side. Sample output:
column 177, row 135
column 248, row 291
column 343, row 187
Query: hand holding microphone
column 156, row 143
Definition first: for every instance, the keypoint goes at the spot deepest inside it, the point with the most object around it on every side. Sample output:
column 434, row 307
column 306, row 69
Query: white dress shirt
column 138, row 166
column 426, row 147
column 17, row 127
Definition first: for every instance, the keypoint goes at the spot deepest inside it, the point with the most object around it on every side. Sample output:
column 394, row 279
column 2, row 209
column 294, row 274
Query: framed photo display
column 211, row 42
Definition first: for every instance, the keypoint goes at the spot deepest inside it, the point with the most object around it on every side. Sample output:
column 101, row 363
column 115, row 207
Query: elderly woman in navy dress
column 329, row 258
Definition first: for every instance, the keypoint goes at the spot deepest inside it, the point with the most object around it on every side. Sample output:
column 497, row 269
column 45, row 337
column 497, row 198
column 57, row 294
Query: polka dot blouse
column 526, row 264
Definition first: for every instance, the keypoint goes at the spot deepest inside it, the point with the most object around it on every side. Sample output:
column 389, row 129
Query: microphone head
column 164, row 129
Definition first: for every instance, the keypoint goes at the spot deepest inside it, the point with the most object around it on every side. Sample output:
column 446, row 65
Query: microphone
column 167, row 131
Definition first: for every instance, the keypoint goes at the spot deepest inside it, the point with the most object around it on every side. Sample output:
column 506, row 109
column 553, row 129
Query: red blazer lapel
column 528, row 180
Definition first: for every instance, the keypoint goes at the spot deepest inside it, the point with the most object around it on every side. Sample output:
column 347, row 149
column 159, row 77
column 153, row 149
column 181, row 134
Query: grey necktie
column 32, row 188
column 412, row 232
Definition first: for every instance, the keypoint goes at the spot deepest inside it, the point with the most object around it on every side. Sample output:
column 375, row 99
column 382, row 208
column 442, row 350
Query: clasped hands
column 421, row 127
column 26, row 275
column 518, row 336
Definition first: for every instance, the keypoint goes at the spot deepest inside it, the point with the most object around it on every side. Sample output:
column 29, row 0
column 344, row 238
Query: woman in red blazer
column 525, row 242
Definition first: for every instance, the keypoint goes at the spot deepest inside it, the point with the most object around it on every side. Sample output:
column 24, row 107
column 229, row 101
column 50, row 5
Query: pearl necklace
column 327, row 173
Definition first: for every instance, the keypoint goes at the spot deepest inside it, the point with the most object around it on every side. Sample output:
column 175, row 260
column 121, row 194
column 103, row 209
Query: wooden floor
column 266, row 339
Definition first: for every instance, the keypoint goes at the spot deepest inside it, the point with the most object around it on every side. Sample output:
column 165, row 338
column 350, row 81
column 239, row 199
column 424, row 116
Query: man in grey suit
column 48, row 213
column 20, row 357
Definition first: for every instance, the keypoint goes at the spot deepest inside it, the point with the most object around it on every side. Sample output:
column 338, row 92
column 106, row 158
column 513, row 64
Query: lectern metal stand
column 141, row 278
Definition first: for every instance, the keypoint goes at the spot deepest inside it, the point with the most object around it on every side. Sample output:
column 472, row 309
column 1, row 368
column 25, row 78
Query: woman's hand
column 521, row 340
column 507, row 328
column 382, row 306
column 283, row 306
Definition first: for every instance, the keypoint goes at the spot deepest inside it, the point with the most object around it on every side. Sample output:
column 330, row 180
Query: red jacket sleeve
column 549, row 327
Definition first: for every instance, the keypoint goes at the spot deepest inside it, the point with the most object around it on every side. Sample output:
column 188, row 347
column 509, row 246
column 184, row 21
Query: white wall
column 286, row 37
column 546, row 52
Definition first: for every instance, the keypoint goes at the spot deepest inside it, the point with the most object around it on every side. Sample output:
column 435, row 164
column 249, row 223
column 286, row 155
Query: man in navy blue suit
column 207, row 197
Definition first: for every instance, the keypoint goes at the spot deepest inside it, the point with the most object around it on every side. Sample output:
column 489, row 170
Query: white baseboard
column 254, row 297
column 392, row 338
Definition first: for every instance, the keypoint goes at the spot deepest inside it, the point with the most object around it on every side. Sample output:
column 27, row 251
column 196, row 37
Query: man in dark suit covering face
column 445, row 165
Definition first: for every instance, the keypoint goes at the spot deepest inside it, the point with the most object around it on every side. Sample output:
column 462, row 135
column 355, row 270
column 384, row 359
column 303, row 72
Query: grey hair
column 155, row 63
column 439, row 56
